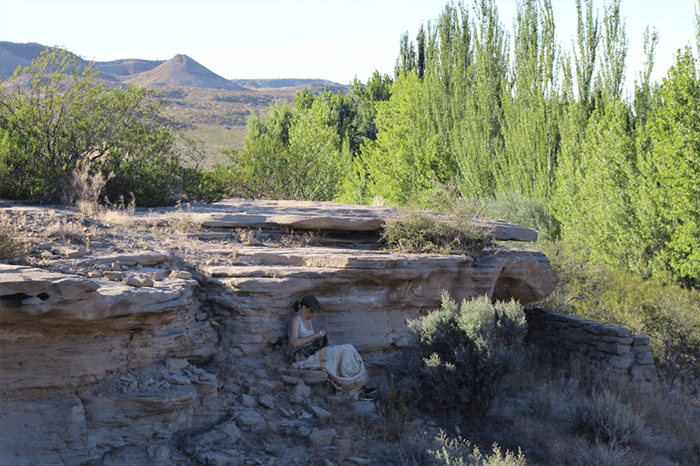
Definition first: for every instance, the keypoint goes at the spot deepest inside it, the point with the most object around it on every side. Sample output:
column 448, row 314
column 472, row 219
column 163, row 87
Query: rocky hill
column 179, row 71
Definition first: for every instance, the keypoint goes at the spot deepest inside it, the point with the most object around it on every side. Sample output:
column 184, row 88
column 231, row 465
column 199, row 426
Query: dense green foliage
column 463, row 352
column 616, row 173
column 55, row 120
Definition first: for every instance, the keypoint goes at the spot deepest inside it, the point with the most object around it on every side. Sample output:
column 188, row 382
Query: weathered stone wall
column 593, row 352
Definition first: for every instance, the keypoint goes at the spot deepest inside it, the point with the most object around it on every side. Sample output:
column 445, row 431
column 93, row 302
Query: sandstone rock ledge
column 144, row 344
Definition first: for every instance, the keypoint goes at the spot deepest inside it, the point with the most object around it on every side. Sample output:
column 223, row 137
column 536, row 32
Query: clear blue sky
column 334, row 40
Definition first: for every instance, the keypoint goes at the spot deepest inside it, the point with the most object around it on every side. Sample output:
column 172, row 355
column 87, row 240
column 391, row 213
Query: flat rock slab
column 308, row 215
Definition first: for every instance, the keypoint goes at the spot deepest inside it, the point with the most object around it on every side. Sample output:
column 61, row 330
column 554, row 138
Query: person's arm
column 294, row 339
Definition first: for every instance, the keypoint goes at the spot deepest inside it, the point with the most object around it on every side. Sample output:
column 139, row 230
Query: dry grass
column 536, row 411
column 14, row 246
column 81, row 186
column 298, row 239
column 184, row 223
column 67, row 230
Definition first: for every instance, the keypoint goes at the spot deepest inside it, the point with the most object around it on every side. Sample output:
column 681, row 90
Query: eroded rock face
column 63, row 332
column 366, row 297
column 113, row 349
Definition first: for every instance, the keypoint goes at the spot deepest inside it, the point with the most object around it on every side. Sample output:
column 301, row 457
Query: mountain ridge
column 179, row 71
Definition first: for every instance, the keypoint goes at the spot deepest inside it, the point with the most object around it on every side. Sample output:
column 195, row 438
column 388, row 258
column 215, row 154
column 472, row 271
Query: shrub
column 425, row 232
column 464, row 351
column 460, row 452
column 606, row 419
column 393, row 407
column 452, row 231
column 11, row 250
column 55, row 119
column 208, row 185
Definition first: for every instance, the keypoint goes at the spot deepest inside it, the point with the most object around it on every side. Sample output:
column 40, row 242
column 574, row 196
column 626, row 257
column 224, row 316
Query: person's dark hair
column 309, row 301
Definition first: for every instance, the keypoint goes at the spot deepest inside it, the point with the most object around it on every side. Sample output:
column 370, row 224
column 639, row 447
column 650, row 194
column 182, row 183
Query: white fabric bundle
column 342, row 363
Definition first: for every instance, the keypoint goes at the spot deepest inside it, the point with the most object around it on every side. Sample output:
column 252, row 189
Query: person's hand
column 321, row 334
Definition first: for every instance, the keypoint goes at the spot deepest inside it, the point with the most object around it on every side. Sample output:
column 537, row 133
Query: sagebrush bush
column 463, row 352
column 606, row 419
column 460, row 452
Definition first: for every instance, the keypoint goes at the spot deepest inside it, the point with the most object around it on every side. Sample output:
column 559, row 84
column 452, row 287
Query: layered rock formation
column 115, row 348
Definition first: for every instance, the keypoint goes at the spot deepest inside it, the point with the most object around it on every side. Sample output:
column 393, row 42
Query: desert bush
column 81, row 186
column 606, row 419
column 55, row 119
column 463, row 353
column 11, row 249
column 67, row 230
column 460, row 452
column 394, row 409
column 425, row 232
column 451, row 231
column 602, row 454
column 208, row 185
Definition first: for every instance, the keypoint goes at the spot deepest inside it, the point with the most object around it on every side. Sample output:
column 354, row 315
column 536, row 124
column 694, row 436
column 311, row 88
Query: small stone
column 157, row 277
column 291, row 380
column 114, row 276
column 47, row 255
column 180, row 274
column 322, row 438
column 132, row 281
column 176, row 364
column 320, row 413
column 250, row 418
column 116, row 267
column 176, row 379
column 73, row 253
column 358, row 460
column 328, row 462
column 232, row 431
column 297, row 399
column 267, row 401
column 249, row 401
column 302, row 390
column 95, row 274
column 201, row 316
column 33, row 301
column 304, row 431
column 147, row 282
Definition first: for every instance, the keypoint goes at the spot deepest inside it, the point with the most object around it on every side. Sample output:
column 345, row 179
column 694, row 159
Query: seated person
column 310, row 350
column 303, row 341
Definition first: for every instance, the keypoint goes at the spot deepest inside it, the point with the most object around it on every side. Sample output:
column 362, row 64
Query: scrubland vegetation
column 543, row 137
